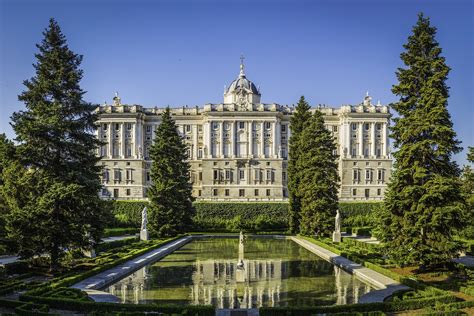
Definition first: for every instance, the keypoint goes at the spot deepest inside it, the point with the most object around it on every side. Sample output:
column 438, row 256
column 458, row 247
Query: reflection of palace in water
column 224, row 284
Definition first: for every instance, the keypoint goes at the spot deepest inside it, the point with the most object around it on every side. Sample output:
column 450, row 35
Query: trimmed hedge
column 233, row 216
column 115, row 244
column 87, row 306
column 363, row 308
column 114, row 232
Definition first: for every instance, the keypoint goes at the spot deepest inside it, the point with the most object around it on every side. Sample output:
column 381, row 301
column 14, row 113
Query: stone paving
column 384, row 285
column 93, row 284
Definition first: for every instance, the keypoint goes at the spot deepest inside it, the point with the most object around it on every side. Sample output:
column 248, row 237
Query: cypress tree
column 297, row 122
column 424, row 205
column 171, row 207
column 52, row 190
column 319, row 183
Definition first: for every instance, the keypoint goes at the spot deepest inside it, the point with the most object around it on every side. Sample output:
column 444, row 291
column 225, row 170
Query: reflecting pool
column 262, row 272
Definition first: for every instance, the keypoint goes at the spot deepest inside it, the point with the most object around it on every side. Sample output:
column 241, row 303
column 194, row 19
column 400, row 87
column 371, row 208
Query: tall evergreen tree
column 424, row 206
column 297, row 122
column 171, row 207
column 467, row 179
column 319, row 183
column 52, row 191
column 7, row 156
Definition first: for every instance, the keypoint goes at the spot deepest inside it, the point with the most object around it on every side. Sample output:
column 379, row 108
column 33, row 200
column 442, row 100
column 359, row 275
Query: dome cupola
column 241, row 90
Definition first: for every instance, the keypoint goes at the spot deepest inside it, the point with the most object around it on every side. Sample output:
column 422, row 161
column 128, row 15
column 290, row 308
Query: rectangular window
column 269, row 175
column 216, row 174
column 227, row 174
column 285, row 193
column 356, row 175
column 334, row 128
column 283, row 175
column 215, row 125
column 379, row 126
column 148, row 176
column 268, row 125
column 381, row 175
column 188, row 128
column 199, row 192
column 117, row 126
column 354, row 126
column 116, row 193
column 368, row 174
column 268, row 192
column 104, row 127
column 367, row 193
column 128, row 192
column 200, row 175
column 241, row 174
column 354, row 192
column 200, row 153
column 226, row 192
column 214, row 192
column 199, row 128
column 241, row 192
column 148, row 129
column 257, row 174
column 241, row 125
column 129, row 126
column 366, row 126
column 283, row 128
column 256, row 192
column 379, row 191
column 117, row 175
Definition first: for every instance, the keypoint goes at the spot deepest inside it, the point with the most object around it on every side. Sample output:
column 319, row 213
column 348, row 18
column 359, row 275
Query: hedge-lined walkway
column 92, row 284
column 384, row 285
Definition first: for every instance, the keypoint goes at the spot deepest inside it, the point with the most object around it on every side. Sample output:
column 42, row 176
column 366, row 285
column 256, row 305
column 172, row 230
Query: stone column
column 250, row 140
column 195, row 141
column 276, row 134
column 372, row 139
column 262, row 139
column 221, row 147
column 384, row 140
column 206, row 130
column 122, row 139
column 111, row 140
column 361, row 139
column 232, row 139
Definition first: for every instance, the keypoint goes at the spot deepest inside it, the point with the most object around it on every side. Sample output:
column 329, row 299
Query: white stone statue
column 143, row 230
column 336, row 235
column 338, row 221
column 144, row 219
column 140, row 152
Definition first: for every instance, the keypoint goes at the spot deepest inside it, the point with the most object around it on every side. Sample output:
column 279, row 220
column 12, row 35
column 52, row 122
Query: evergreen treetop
column 424, row 206
column 170, row 195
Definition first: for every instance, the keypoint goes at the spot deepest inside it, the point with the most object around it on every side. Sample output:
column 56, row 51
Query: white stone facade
column 238, row 150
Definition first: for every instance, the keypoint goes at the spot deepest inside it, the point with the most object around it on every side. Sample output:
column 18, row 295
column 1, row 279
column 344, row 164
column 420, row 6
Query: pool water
column 263, row 272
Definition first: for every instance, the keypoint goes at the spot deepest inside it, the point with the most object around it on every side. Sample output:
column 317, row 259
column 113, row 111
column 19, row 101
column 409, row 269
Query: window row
column 369, row 175
column 367, row 192
column 117, row 175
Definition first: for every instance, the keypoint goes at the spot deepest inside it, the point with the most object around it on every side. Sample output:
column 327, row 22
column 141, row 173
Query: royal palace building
column 238, row 149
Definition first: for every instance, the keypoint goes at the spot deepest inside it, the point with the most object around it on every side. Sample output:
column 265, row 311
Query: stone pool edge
column 385, row 286
column 92, row 284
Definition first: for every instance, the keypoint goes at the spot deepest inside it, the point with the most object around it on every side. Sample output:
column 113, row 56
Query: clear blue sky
column 183, row 52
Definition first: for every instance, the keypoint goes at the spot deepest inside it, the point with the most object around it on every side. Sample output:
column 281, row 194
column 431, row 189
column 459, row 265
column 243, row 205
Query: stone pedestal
column 144, row 234
column 89, row 253
column 336, row 236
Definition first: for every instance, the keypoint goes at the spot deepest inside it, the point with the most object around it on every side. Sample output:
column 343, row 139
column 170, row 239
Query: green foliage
column 127, row 213
column 52, row 190
column 171, row 207
column 424, row 207
column 467, row 179
column 114, row 232
column 298, row 121
column 319, row 183
column 105, row 246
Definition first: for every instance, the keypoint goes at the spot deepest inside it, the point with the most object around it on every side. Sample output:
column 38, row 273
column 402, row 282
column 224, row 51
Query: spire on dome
column 242, row 74
column 367, row 99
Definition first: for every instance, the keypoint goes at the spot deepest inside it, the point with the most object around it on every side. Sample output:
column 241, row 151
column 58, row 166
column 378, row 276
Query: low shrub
column 105, row 246
column 362, row 231
column 32, row 309
column 127, row 213
column 114, row 232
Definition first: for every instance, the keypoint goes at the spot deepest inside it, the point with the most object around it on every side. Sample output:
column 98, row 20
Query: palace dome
column 242, row 83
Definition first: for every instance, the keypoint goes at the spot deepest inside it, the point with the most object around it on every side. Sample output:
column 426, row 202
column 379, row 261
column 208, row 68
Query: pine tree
column 171, row 207
column 319, row 183
column 52, row 191
column 467, row 179
column 7, row 156
column 297, row 122
column 424, row 206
